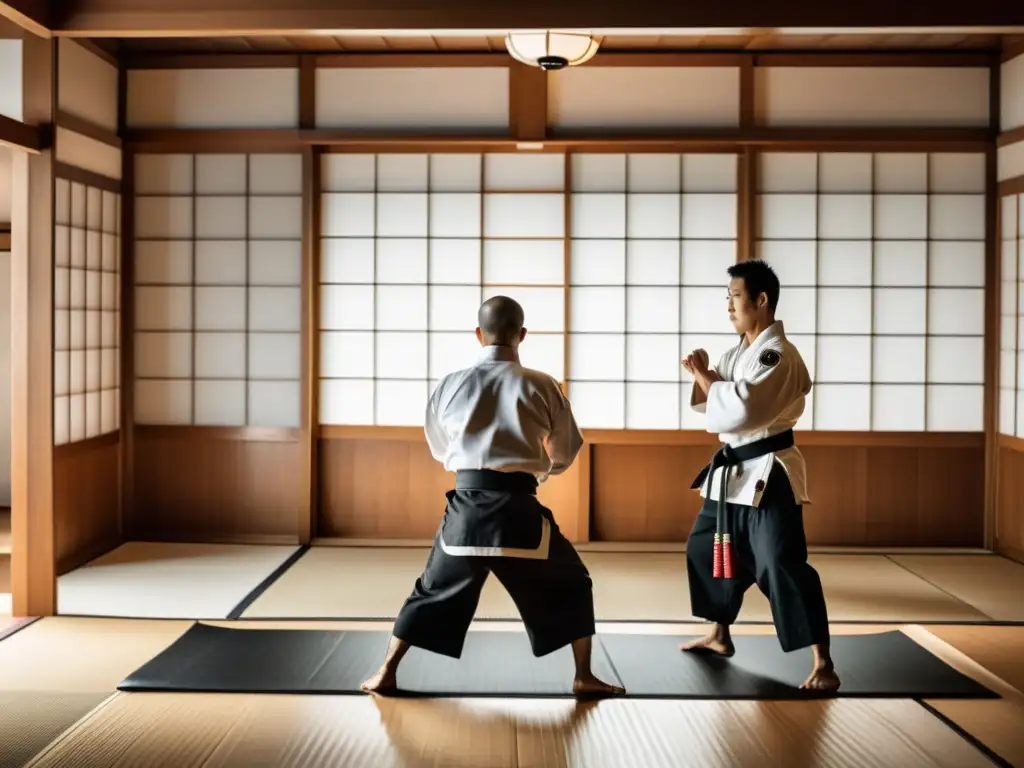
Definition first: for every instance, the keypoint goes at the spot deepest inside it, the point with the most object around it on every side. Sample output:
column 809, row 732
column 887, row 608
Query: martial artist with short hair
column 503, row 429
column 753, row 398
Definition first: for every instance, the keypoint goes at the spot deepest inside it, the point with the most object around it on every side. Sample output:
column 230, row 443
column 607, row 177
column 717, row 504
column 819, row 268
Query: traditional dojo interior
column 239, row 247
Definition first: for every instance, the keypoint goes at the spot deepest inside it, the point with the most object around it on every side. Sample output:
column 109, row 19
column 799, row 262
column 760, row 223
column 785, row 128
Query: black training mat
column 218, row 659
column 883, row 665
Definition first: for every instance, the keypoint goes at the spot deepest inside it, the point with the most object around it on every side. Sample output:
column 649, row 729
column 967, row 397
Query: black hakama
column 765, row 545
column 493, row 523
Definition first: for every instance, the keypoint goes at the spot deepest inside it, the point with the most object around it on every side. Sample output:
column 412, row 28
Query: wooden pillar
column 528, row 102
column 993, row 313
column 309, row 476
column 747, row 204
column 748, row 161
column 33, row 573
column 126, row 444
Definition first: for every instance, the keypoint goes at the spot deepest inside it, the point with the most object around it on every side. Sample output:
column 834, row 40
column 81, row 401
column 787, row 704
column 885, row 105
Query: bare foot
column 383, row 682
column 823, row 678
column 713, row 642
column 590, row 685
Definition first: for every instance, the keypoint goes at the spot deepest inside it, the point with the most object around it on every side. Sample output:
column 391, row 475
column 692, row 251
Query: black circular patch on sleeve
column 770, row 358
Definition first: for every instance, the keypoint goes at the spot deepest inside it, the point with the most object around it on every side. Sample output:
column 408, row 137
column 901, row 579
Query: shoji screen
column 524, row 249
column 651, row 238
column 87, row 313
column 217, row 289
column 1011, row 331
column 882, row 261
column 410, row 246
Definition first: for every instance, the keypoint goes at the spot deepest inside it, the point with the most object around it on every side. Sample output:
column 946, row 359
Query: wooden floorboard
column 83, row 660
column 246, row 730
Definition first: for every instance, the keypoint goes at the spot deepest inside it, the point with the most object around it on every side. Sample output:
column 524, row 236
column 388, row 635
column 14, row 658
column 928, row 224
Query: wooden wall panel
column 88, row 85
column 85, row 500
column 568, row 497
column 87, row 153
column 191, row 486
column 862, row 496
column 859, row 96
column 395, row 489
column 637, row 99
column 213, row 98
column 642, row 492
column 1010, row 505
column 380, row 489
column 1010, row 160
column 414, row 99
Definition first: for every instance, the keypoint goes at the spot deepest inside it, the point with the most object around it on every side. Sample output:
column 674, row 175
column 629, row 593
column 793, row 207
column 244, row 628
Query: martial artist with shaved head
column 502, row 429
column 750, row 529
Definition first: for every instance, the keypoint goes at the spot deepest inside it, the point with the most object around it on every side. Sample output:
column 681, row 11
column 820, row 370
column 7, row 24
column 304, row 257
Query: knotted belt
column 494, row 480
column 728, row 457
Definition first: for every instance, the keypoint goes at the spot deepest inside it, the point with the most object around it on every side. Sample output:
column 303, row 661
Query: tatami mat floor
column 58, row 676
column 211, row 581
column 147, row 580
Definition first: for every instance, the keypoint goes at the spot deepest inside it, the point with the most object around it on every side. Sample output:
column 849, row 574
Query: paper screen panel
column 652, row 237
column 86, row 280
column 881, row 260
column 410, row 246
column 218, row 288
column 1011, row 415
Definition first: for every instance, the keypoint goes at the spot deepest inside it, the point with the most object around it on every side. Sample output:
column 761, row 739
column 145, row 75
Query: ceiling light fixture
column 551, row 50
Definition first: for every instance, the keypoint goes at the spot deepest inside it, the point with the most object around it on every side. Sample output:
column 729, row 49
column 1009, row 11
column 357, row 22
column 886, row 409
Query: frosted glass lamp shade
column 551, row 50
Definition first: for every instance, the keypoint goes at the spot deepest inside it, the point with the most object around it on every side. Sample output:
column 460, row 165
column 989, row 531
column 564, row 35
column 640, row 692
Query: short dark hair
column 758, row 278
column 500, row 319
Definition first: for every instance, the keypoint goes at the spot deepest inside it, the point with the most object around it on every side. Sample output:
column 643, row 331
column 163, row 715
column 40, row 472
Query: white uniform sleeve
column 437, row 437
column 752, row 404
column 698, row 400
column 565, row 439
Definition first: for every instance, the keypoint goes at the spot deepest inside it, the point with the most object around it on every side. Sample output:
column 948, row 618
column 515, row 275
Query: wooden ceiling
column 766, row 41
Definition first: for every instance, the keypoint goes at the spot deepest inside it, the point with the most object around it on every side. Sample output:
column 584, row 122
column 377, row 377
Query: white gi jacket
column 499, row 415
column 763, row 393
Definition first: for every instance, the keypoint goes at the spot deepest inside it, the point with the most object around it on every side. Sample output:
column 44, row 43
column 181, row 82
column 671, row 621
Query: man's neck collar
column 499, row 352
column 773, row 329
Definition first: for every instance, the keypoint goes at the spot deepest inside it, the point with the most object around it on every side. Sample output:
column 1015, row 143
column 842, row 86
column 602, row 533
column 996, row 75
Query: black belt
column 726, row 458
column 493, row 480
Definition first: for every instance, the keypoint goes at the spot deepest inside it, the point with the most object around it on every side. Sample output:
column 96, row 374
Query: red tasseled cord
column 716, row 568
column 727, row 557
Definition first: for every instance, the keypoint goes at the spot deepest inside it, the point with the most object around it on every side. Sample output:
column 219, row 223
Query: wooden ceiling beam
column 168, row 60
column 527, row 128
column 282, row 17
column 31, row 15
column 32, row 138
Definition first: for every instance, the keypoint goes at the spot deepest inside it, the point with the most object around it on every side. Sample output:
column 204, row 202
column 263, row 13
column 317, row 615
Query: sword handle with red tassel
column 716, row 567
column 727, row 556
